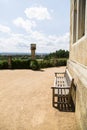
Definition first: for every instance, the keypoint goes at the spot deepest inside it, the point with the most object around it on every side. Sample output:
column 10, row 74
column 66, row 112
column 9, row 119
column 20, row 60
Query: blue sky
column 44, row 22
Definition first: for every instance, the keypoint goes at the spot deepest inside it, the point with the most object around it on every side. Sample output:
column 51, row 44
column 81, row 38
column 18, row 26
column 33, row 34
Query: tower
column 33, row 48
column 9, row 62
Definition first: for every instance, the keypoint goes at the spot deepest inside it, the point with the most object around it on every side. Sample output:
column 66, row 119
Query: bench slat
column 62, row 89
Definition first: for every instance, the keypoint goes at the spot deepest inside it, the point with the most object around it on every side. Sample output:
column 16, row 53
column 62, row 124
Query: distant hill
column 19, row 54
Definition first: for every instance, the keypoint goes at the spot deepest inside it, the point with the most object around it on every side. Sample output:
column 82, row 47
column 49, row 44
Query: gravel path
column 26, row 101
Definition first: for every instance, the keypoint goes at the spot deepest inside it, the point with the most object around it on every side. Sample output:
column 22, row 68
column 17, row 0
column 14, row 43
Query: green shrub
column 46, row 64
column 61, row 62
column 20, row 64
column 34, row 65
column 4, row 65
column 52, row 63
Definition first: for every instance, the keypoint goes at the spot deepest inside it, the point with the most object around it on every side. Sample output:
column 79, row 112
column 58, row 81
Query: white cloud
column 4, row 29
column 60, row 39
column 25, row 24
column 21, row 42
column 51, row 42
column 14, row 43
column 58, row 42
column 38, row 36
column 39, row 13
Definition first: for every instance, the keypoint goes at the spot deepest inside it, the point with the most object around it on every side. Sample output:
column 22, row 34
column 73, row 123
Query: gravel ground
column 26, row 101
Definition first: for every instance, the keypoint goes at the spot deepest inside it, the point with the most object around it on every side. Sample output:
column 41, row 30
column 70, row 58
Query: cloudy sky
column 44, row 22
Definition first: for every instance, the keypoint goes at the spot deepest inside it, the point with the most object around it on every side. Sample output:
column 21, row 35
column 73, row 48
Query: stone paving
column 26, row 101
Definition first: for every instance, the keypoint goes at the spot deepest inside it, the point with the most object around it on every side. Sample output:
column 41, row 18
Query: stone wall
column 79, row 73
column 77, row 64
column 78, row 51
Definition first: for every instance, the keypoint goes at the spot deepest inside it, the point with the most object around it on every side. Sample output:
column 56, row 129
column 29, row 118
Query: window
column 81, row 18
column 75, row 21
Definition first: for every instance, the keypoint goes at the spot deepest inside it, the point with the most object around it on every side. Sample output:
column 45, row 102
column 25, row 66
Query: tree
column 58, row 54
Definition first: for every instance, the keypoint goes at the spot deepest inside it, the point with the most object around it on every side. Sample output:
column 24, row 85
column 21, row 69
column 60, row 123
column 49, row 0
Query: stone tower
column 33, row 48
column 9, row 62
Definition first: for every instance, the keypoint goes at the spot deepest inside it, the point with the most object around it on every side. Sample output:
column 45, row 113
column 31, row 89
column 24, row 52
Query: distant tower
column 9, row 62
column 33, row 48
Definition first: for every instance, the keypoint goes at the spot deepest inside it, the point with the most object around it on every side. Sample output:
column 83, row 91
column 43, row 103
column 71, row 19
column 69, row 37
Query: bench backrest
column 68, row 77
column 70, row 82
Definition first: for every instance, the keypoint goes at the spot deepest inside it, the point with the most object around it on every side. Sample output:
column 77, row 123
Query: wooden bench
column 62, row 98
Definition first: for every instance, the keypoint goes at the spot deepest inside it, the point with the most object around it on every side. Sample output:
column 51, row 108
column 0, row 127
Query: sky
column 43, row 22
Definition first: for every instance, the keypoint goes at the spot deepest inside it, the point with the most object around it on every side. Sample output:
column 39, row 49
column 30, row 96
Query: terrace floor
column 26, row 102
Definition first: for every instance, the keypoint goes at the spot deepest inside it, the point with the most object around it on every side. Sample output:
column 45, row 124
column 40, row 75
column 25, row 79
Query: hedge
column 33, row 64
column 4, row 65
column 52, row 63
column 20, row 64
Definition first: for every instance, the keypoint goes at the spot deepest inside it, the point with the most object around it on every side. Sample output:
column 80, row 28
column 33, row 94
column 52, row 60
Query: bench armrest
column 60, row 88
column 59, row 72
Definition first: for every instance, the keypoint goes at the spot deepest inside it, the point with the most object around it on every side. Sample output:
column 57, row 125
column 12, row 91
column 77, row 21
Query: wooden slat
column 62, row 91
column 61, row 87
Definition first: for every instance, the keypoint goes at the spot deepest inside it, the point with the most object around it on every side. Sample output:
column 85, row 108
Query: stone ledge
column 79, row 69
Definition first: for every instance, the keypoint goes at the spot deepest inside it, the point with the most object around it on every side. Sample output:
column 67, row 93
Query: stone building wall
column 77, row 63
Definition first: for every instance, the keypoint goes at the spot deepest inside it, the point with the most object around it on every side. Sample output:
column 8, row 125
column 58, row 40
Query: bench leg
column 53, row 98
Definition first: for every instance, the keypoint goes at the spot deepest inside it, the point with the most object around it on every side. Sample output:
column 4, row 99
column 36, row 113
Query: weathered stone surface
column 77, row 63
column 9, row 62
column 79, row 73
column 33, row 48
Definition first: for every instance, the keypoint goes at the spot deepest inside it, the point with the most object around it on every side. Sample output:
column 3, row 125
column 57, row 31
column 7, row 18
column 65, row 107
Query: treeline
column 58, row 54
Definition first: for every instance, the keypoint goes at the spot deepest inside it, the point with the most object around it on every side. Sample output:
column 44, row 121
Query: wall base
column 79, row 73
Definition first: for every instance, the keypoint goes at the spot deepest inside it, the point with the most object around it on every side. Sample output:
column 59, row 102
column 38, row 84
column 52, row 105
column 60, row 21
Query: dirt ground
column 26, row 101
